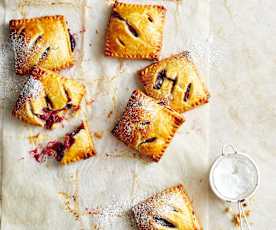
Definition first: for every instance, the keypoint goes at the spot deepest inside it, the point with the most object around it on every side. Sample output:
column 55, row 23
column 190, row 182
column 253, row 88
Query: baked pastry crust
column 135, row 31
column 176, row 81
column 147, row 126
column 169, row 209
column 47, row 97
column 82, row 147
column 42, row 41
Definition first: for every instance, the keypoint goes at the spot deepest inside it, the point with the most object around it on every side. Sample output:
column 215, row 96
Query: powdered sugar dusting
column 155, row 206
column 21, row 51
column 31, row 89
column 140, row 110
column 10, row 84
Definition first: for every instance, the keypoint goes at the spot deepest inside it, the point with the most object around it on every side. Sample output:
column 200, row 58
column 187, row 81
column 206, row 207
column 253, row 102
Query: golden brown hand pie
column 47, row 97
column 43, row 41
column 147, row 126
column 135, row 31
column 170, row 209
column 176, row 81
column 77, row 145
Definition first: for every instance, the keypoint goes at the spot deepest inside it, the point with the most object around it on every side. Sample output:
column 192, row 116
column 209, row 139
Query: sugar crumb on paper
column 98, row 134
column 102, row 216
column 237, row 218
column 36, row 138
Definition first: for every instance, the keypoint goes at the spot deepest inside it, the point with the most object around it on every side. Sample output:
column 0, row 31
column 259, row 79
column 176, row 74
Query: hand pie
column 170, row 209
column 43, row 41
column 147, row 126
column 47, row 97
column 77, row 145
column 176, row 81
column 135, row 31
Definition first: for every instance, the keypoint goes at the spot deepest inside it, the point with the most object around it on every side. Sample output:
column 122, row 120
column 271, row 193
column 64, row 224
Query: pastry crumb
column 98, row 134
column 83, row 29
column 109, row 114
column 236, row 220
column 227, row 209
column 95, row 227
column 90, row 102
column 35, row 139
column 244, row 204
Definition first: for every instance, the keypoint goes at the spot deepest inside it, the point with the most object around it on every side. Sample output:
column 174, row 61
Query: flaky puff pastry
column 169, row 209
column 176, row 81
column 147, row 126
column 47, row 97
column 81, row 147
column 135, row 31
column 42, row 41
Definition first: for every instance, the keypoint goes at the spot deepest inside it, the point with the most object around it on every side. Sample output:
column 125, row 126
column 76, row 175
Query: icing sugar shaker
column 234, row 177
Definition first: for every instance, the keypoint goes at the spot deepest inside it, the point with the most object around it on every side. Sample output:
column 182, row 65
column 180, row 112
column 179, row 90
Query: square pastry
column 176, row 81
column 147, row 126
column 77, row 145
column 135, row 31
column 47, row 97
column 44, row 41
column 169, row 209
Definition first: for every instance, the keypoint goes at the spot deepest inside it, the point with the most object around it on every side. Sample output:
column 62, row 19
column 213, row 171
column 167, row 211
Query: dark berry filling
column 130, row 27
column 45, row 54
column 160, row 79
column 163, row 222
column 72, row 41
column 56, row 149
column 187, row 92
column 36, row 155
column 50, row 117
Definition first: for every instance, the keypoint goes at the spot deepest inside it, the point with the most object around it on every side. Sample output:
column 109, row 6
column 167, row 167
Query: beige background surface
column 232, row 43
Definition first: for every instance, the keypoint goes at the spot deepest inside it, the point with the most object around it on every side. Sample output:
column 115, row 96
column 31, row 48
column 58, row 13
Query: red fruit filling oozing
column 55, row 149
column 50, row 117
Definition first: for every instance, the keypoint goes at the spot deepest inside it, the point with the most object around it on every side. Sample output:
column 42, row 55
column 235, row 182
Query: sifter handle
column 224, row 152
column 243, row 217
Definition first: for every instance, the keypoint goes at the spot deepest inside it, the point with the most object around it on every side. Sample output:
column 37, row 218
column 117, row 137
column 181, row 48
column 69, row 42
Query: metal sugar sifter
column 234, row 177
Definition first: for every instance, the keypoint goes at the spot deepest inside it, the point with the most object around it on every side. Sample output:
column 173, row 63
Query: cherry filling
column 163, row 222
column 50, row 117
column 72, row 41
column 130, row 27
column 56, row 149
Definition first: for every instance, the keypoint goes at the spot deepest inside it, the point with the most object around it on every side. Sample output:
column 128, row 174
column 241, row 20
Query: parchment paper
column 34, row 195
column 98, row 192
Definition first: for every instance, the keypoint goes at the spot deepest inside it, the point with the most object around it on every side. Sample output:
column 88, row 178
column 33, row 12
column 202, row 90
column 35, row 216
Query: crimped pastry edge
column 142, row 75
column 152, row 56
column 179, row 188
column 177, row 120
column 89, row 154
column 14, row 22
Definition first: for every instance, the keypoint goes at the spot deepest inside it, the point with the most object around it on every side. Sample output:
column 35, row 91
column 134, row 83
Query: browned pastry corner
column 176, row 81
column 147, row 126
column 169, row 209
column 43, row 41
column 47, row 97
column 80, row 145
column 135, row 31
